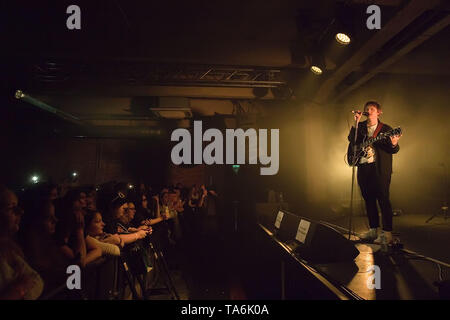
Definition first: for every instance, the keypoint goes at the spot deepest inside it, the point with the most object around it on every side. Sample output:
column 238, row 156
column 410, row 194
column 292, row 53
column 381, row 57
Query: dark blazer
column 383, row 149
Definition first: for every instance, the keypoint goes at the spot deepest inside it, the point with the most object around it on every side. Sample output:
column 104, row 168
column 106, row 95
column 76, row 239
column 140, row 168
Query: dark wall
column 95, row 160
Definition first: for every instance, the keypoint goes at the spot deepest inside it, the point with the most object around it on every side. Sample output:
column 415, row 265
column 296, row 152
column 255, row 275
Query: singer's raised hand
column 357, row 115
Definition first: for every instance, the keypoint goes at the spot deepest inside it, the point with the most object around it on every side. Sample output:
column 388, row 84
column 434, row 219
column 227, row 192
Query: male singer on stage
column 374, row 171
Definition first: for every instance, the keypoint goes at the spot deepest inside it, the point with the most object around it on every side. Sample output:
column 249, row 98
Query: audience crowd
column 111, row 232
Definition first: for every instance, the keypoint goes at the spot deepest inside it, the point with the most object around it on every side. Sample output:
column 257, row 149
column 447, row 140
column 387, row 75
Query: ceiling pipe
column 20, row 95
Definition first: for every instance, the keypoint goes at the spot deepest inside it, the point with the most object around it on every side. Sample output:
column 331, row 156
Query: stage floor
column 403, row 275
column 431, row 239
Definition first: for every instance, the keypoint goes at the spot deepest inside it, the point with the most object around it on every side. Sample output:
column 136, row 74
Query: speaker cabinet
column 313, row 241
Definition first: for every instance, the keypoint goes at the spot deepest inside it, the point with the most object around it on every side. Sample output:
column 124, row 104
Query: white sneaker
column 369, row 235
column 387, row 238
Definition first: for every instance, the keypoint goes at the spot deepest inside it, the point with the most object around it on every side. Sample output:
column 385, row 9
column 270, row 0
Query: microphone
column 359, row 112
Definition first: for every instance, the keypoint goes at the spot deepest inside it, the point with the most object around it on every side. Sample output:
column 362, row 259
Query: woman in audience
column 45, row 191
column 131, row 219
column 167, row 205
column 178, row 201
column 142, row 188
column 129, row 222
column 192, row 210
column 17, row 279
column 203, row 194
column 109, row 243
column 168, row 209
column 91, row 198
column 146, row 215
column 39, row 246
column 70, row 231
column 194, row 197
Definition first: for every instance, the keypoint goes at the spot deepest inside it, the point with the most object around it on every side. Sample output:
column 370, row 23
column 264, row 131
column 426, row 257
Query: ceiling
column 211, row 54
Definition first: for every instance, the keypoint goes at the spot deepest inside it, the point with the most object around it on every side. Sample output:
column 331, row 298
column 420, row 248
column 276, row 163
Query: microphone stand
column 444, row 205
column 353, row 179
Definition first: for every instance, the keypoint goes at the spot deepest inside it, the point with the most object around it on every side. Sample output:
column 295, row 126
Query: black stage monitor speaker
column 267, row 213
column 315, row 242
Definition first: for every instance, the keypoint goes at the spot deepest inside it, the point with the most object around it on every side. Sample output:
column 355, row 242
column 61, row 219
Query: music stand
column 353, row 180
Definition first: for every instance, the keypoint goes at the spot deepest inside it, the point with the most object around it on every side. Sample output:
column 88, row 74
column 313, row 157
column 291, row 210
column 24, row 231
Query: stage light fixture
column 317, row 64
column 74, row 174
column 35, row 179
column 316, row 70
column 130, row 186
column 342, row 25
column 19, row 94
column 343, row 38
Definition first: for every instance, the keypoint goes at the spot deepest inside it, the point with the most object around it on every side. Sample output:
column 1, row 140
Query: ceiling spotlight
column 35, row 179
column 74, row 174
column 343, row 26
column 316, row 70
column 342, row 38
column 130, row 186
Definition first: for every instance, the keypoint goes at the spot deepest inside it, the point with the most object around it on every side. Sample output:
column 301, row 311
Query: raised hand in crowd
column 79, row 220
column 141, row 234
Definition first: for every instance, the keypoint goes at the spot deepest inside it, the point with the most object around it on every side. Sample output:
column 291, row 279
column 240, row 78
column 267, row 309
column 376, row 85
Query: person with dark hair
column 40, row 247
column 212, row 201
column 168, row 210
column 91, row 197
column 116, row 215
column 17, row 279
column 179, row 202
column 70, row 230
column 191, row 211
column 374, row 171
column 142, row 188
column 203, row 196
column 109, row 243
column 179, row 185
column 149, row 213
column 45, row 191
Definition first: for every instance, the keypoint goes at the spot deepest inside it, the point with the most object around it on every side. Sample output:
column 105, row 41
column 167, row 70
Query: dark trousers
column 373, row 189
